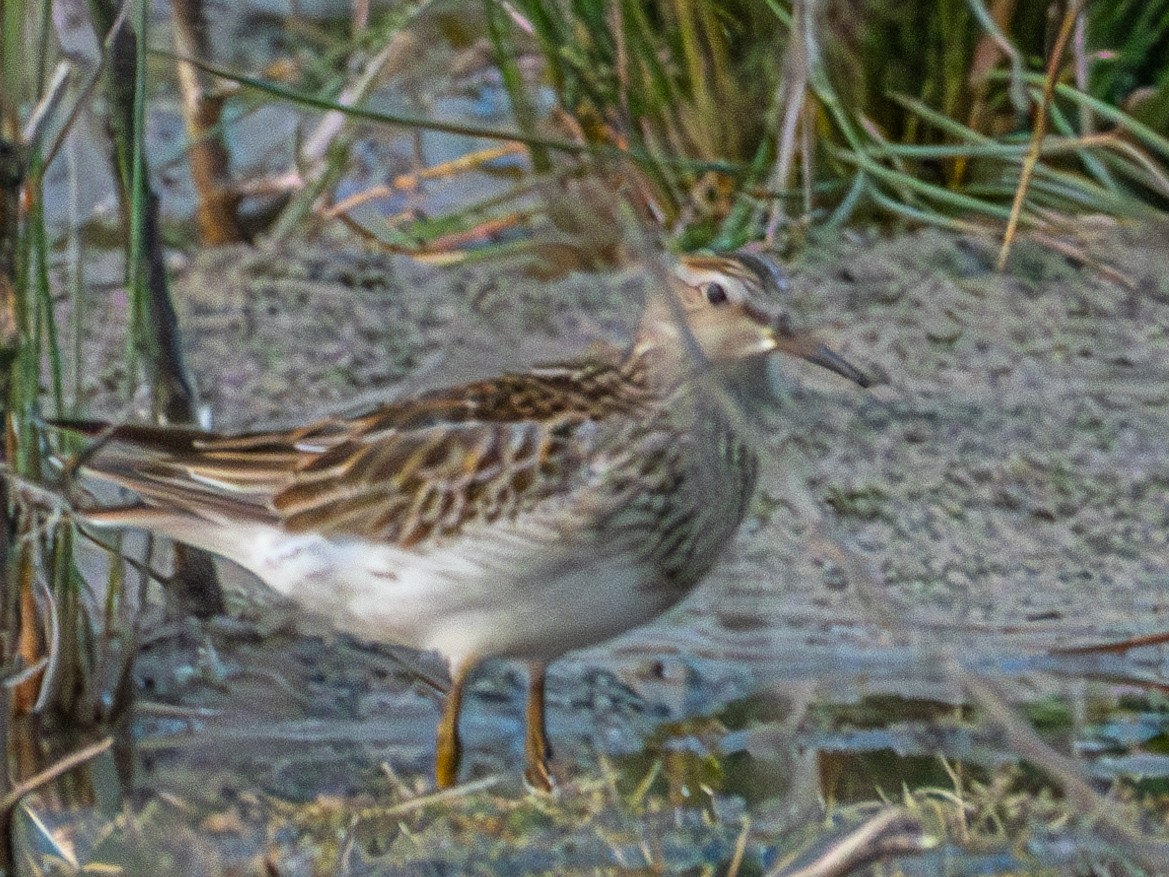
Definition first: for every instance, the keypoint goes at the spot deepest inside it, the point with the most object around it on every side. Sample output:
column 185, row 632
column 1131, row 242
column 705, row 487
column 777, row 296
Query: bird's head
column 730, row 305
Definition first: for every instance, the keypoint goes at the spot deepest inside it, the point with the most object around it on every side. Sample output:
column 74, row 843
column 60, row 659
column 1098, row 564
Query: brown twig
column 50, row 773
column 11, row 174
column 892, row 832
column 210, row 162
column 1039, row 129
column 793, row 96
column 1135, row 642
column 30, row 644
column 11, row 177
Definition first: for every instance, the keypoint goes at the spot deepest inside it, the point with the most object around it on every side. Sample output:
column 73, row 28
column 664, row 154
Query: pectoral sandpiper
column 523, row 516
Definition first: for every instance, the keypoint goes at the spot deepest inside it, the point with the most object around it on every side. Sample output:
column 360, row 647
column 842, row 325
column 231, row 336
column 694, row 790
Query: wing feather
column 423, row 467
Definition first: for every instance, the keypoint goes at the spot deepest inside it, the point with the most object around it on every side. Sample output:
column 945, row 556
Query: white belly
column 531, row 596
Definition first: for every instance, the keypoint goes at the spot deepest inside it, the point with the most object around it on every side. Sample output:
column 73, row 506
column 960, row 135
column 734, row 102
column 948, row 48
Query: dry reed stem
column 1022, row 739
column 892, row 832
column 50, row 773
column 793, row 97
column 1039, row 129
column 210, row 162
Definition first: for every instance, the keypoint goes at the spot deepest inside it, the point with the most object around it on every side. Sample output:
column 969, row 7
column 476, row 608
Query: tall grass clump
column 727, row 121
column 66, row 646
column 753, row 117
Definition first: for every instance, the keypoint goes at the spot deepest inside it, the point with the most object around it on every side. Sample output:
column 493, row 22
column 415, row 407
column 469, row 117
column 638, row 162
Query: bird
column 522, row 516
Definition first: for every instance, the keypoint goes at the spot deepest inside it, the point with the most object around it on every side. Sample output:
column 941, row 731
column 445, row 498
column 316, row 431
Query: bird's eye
column 716, row 294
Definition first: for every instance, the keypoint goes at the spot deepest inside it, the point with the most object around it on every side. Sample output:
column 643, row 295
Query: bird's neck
column 661, row 365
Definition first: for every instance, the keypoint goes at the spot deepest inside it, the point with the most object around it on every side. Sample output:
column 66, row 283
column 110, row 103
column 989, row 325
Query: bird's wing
column 400, row 473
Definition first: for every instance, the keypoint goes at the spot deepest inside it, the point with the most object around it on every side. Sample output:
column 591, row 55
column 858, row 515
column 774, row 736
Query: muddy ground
column 1004, row 485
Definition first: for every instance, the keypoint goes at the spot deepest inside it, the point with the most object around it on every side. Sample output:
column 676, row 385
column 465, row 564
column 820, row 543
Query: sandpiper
column 522, row 516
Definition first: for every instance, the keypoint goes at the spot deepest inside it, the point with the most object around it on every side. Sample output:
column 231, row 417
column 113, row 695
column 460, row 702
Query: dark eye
column 716, row 294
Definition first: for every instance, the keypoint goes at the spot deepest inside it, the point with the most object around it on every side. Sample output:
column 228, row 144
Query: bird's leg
column 536, row 749
column 449, row 749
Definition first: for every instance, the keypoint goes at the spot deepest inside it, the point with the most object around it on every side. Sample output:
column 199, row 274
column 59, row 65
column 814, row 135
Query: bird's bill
column 825, row 357
column 821, row 354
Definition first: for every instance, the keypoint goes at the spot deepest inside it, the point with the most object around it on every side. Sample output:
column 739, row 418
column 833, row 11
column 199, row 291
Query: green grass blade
column 499, row 34
column 925, row 217
column 849, row 202
column 46, row 317
column 140, row 334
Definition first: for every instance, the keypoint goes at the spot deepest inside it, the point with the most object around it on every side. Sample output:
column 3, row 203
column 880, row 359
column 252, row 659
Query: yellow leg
column 449, row 749
column 536, row 749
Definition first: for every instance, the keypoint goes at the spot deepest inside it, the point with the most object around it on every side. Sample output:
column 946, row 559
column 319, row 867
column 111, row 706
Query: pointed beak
column 786, row 340
column 825, row 357
column 813, row 351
